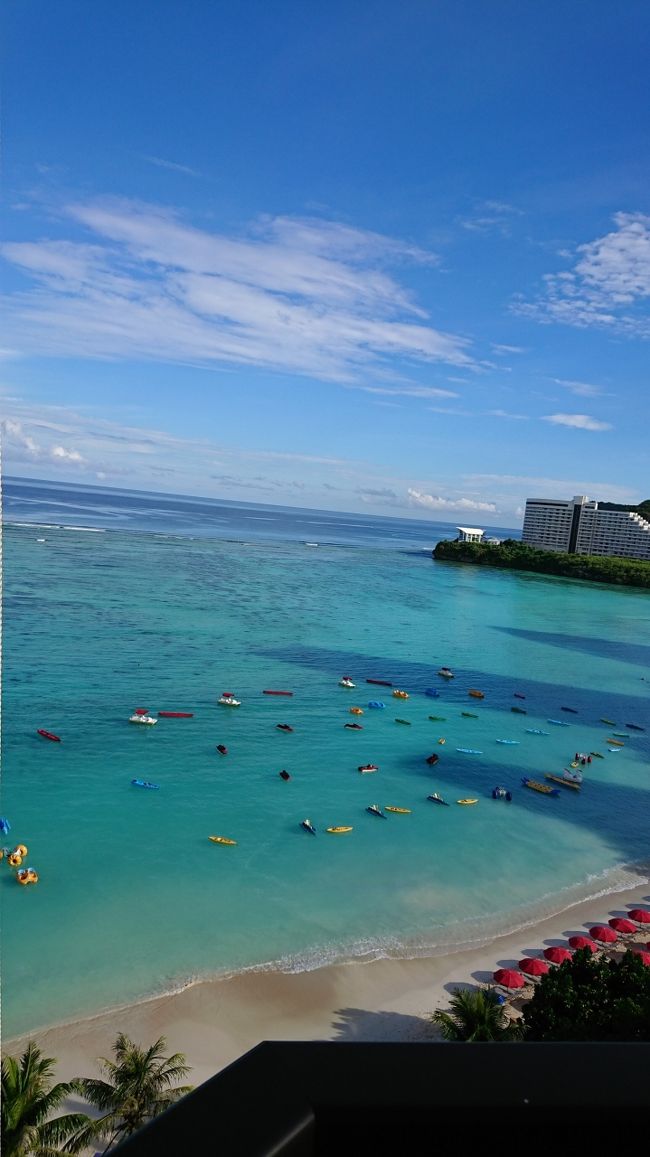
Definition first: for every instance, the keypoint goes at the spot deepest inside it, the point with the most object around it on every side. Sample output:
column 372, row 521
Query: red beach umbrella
column 533, row 966
column 509, row 978
column 645, row 956
column 620, row 924
column 583, row 942
column 557, row 955
column 641, row 915
column 603, row 933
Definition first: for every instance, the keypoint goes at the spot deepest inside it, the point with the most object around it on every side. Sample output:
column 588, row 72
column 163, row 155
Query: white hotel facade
column 579, row 527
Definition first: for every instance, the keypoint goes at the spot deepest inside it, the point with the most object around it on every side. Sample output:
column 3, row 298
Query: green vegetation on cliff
column 513, row 555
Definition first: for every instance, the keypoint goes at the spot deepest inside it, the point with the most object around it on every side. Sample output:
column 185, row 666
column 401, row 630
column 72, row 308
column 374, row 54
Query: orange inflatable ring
column 15, row 859
column 21, row 849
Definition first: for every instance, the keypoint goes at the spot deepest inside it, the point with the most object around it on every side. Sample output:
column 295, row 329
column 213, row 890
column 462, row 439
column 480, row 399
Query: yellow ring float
column 21, row 849
column 15, row 859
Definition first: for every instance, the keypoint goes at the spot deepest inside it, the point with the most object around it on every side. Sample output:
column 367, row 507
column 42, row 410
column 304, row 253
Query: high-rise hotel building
column 580, row 527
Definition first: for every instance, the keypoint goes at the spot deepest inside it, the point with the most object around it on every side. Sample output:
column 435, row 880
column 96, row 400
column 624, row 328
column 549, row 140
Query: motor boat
column 222, row 749
column 143, row 720
column 435, row 798
column 284, row 727
column 446, row 673
column 500, row 792
column 308, row 826
column 346, row 682
column 365, row 768
column 228, row 700
column 375, row 810
column 432, row 759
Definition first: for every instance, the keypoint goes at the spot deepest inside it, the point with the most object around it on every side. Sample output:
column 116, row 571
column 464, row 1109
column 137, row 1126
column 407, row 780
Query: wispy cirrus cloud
column 437, row 502
column 491, row 217
column 409, row 391
column 162, row 163
column 607, row 287
column 577, row 421
column 299, row 295
column 582, row 389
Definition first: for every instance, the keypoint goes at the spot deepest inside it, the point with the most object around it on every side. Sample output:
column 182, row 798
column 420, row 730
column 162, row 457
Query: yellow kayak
column 615, row 742
column 221, row 840
column 400, row 811
column 338, row 831
column 466, row 801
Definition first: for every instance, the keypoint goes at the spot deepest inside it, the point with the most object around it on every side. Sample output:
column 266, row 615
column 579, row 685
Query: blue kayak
column 469, row 750
column 145, row 783
column 376, row 703
column 5, row 826
column 507, row 741
column 558, row 722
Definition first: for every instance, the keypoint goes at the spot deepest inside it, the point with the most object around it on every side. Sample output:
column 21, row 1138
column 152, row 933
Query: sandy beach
column 214, row 1022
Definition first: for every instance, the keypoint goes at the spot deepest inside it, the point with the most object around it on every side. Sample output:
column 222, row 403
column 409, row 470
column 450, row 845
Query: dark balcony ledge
column 308, row 1099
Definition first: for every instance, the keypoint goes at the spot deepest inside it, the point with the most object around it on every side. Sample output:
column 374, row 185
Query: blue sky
column 379, row 256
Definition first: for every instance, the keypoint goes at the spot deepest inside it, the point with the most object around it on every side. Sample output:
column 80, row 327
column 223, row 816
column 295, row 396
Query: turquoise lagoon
column 134, row 900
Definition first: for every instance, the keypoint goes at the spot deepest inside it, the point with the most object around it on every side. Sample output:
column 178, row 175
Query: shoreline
column 215, row 1021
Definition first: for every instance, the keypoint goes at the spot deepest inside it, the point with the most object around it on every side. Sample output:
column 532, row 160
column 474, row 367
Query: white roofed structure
column 469, row 534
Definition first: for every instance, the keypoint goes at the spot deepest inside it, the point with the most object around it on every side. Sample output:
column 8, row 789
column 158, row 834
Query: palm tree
column 140, row 1084
column 475, row 1016
column 28, row 1100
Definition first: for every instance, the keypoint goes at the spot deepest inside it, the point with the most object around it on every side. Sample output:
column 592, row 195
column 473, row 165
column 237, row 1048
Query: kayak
column 222, row 840
column 438, row 718
column 145, row 783
column 635, row 726
column 466, row 801
column 469, row 750
column 338, row 831
column 510, row 741
column 277, row 692
column 558, row 722
column 476, row 694
column 565, row 781
column 380, row 682
column 536, row 731
column 519, row 710
column 283, row 727
column 518, row 695
column 614, row 742
column 406, row 721
column 610, row 721
column 48, row 735
column 399, row 811
column 176, row 714
column 571, row 709
column 353, row 726
column 469, row 715
column 597, row 754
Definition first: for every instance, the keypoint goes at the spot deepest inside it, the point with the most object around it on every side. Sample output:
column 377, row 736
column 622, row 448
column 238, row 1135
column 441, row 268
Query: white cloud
column 577, row 421
column 298, row 295
column 506, row 414
column 409, row 391
column 27, row 447
column 608, row 284
column 161, row 163
column 435, row 502
column 491, row 217
column 583, row 389
column 502, row 350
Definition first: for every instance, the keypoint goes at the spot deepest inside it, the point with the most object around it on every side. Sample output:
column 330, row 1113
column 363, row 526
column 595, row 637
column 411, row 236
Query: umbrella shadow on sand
column 362, row 1025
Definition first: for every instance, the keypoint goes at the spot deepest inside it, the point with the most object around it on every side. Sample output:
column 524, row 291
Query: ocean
column 117, row 600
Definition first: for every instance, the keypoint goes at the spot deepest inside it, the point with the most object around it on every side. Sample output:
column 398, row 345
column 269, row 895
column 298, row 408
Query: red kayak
column 379, row 682
column 177, row 714
column 48, row 735
column 277, row 692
